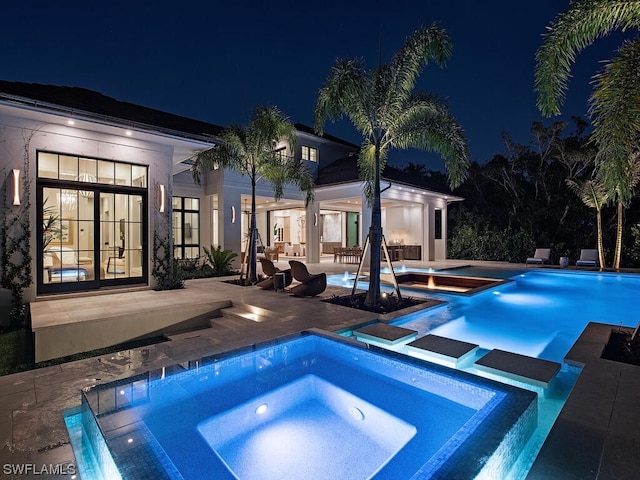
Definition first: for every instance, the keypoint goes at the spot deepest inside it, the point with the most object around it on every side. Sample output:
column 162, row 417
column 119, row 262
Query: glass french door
column 89, row 239
column 121, row 235
column 67, row 219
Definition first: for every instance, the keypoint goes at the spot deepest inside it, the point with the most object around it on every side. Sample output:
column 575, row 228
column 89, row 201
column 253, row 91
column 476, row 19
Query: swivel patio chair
column 588, row 258
column 269, row 269
column 310, row 284
column 540, row 257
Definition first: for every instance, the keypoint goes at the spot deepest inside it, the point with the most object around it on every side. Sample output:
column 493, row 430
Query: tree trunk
column 375, row 238
column 252, row 251
column 600, row 242
column 616, row 262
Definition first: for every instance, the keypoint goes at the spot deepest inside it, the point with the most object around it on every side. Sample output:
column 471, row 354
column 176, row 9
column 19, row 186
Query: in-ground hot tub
column 311, row 406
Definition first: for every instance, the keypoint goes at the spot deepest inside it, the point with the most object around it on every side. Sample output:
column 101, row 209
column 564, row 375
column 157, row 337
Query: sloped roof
column 346, row 170
column 307, row 129
column 81, row 101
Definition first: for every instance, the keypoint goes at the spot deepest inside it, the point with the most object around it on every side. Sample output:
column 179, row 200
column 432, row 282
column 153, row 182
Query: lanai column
column 312, row 226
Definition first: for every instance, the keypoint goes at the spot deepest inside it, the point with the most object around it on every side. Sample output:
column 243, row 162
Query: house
column 103, row 178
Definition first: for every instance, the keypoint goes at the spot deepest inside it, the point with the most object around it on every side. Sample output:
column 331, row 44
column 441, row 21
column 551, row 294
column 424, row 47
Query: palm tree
column 593, row 194
column 614, row 102
column 251, row 151
column 383, row 107
column 615, row 110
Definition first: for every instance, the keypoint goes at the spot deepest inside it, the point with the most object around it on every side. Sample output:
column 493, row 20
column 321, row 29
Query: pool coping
column 595, row 436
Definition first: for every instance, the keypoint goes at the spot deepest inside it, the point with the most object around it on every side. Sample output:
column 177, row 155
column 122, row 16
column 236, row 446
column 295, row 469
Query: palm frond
column 591, row 192
column 615, row 101
column 568, row 35
column 344, row 93
column 427, row 124
column 426, row 44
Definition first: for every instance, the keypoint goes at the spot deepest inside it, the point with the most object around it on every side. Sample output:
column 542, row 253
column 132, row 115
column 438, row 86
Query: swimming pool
column 541, row 314
column 311, row 406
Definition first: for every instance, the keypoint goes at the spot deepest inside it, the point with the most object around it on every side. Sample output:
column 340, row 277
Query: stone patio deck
column 596, row 435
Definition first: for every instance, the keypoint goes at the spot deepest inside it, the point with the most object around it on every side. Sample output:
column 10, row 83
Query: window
column 309, row 153
column 438, row 224
column 281, row 153
column 186, row 227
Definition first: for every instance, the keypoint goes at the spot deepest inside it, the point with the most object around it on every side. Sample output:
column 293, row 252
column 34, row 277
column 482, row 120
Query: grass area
column 13, row 349
column 15, row 352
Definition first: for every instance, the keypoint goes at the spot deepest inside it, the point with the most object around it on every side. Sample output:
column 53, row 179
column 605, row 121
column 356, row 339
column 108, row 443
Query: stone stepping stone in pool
column 443, row 349
column 387, row 334
column 519, row 367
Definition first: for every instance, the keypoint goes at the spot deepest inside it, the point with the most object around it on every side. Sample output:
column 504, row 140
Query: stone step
column 385, row 334
column 442, row 350
column 519, row 367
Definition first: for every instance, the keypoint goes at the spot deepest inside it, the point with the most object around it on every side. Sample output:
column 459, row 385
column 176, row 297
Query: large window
column 186, row 227
column 92, row 222
column 309, row 153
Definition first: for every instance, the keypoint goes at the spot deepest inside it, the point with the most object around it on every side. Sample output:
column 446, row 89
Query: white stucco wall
column 54, row 136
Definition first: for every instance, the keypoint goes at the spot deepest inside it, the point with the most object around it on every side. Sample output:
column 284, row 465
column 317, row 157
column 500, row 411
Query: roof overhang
column 390, row 189
column 185, row 145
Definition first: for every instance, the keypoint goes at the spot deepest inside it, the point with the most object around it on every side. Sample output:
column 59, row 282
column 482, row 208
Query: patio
column 595, row 436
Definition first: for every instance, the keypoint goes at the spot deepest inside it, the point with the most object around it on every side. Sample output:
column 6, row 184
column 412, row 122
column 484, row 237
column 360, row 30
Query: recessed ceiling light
column 70, row 122
column 128, row 133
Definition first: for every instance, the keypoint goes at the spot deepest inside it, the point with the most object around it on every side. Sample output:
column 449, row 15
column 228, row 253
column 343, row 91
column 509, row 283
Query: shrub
column 220, row 260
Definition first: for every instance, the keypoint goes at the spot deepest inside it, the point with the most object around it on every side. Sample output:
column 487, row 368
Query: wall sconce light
column 315, row 219
column 233, row 214
column 161, row 199
column 16, row 186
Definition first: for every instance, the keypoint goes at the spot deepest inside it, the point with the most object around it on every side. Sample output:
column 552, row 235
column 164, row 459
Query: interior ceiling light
column 70, row 122
column 87, row 178
column 128, row 133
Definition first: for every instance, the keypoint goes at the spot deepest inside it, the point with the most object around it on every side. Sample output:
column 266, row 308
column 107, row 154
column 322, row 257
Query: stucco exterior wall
column 21, row 135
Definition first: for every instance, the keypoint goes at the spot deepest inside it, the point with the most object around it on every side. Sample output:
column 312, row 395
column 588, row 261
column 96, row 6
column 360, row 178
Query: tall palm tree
column 383, row 107
column 251, row 151
column 594, row 195
column 615, row 108
column 614, row 102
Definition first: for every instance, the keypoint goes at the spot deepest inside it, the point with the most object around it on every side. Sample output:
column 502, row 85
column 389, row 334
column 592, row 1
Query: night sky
column 215, row 61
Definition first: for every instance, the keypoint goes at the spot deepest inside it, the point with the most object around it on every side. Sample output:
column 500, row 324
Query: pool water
column 540, row 314
column 312, row 406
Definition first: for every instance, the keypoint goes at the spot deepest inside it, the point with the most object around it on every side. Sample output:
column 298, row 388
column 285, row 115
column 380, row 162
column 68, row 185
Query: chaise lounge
column 540, row 257
column 269, row 269
column 310, row 284
column 588, row 258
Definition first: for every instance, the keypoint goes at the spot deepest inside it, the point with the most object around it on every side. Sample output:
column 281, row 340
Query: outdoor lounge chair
column 310, row 284
column 540, row 257
column 269, row 269
column 588, row 258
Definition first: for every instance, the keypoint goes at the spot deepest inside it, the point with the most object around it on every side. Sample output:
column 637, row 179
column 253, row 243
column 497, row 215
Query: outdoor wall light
column 315, row 219
column 233, row 214
column 16, row 186
column 161, row 199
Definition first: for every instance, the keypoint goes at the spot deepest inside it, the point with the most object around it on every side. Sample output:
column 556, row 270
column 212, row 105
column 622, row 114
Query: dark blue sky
column 215, row 61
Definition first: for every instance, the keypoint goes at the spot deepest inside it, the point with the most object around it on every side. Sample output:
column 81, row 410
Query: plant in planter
column 220, row 260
